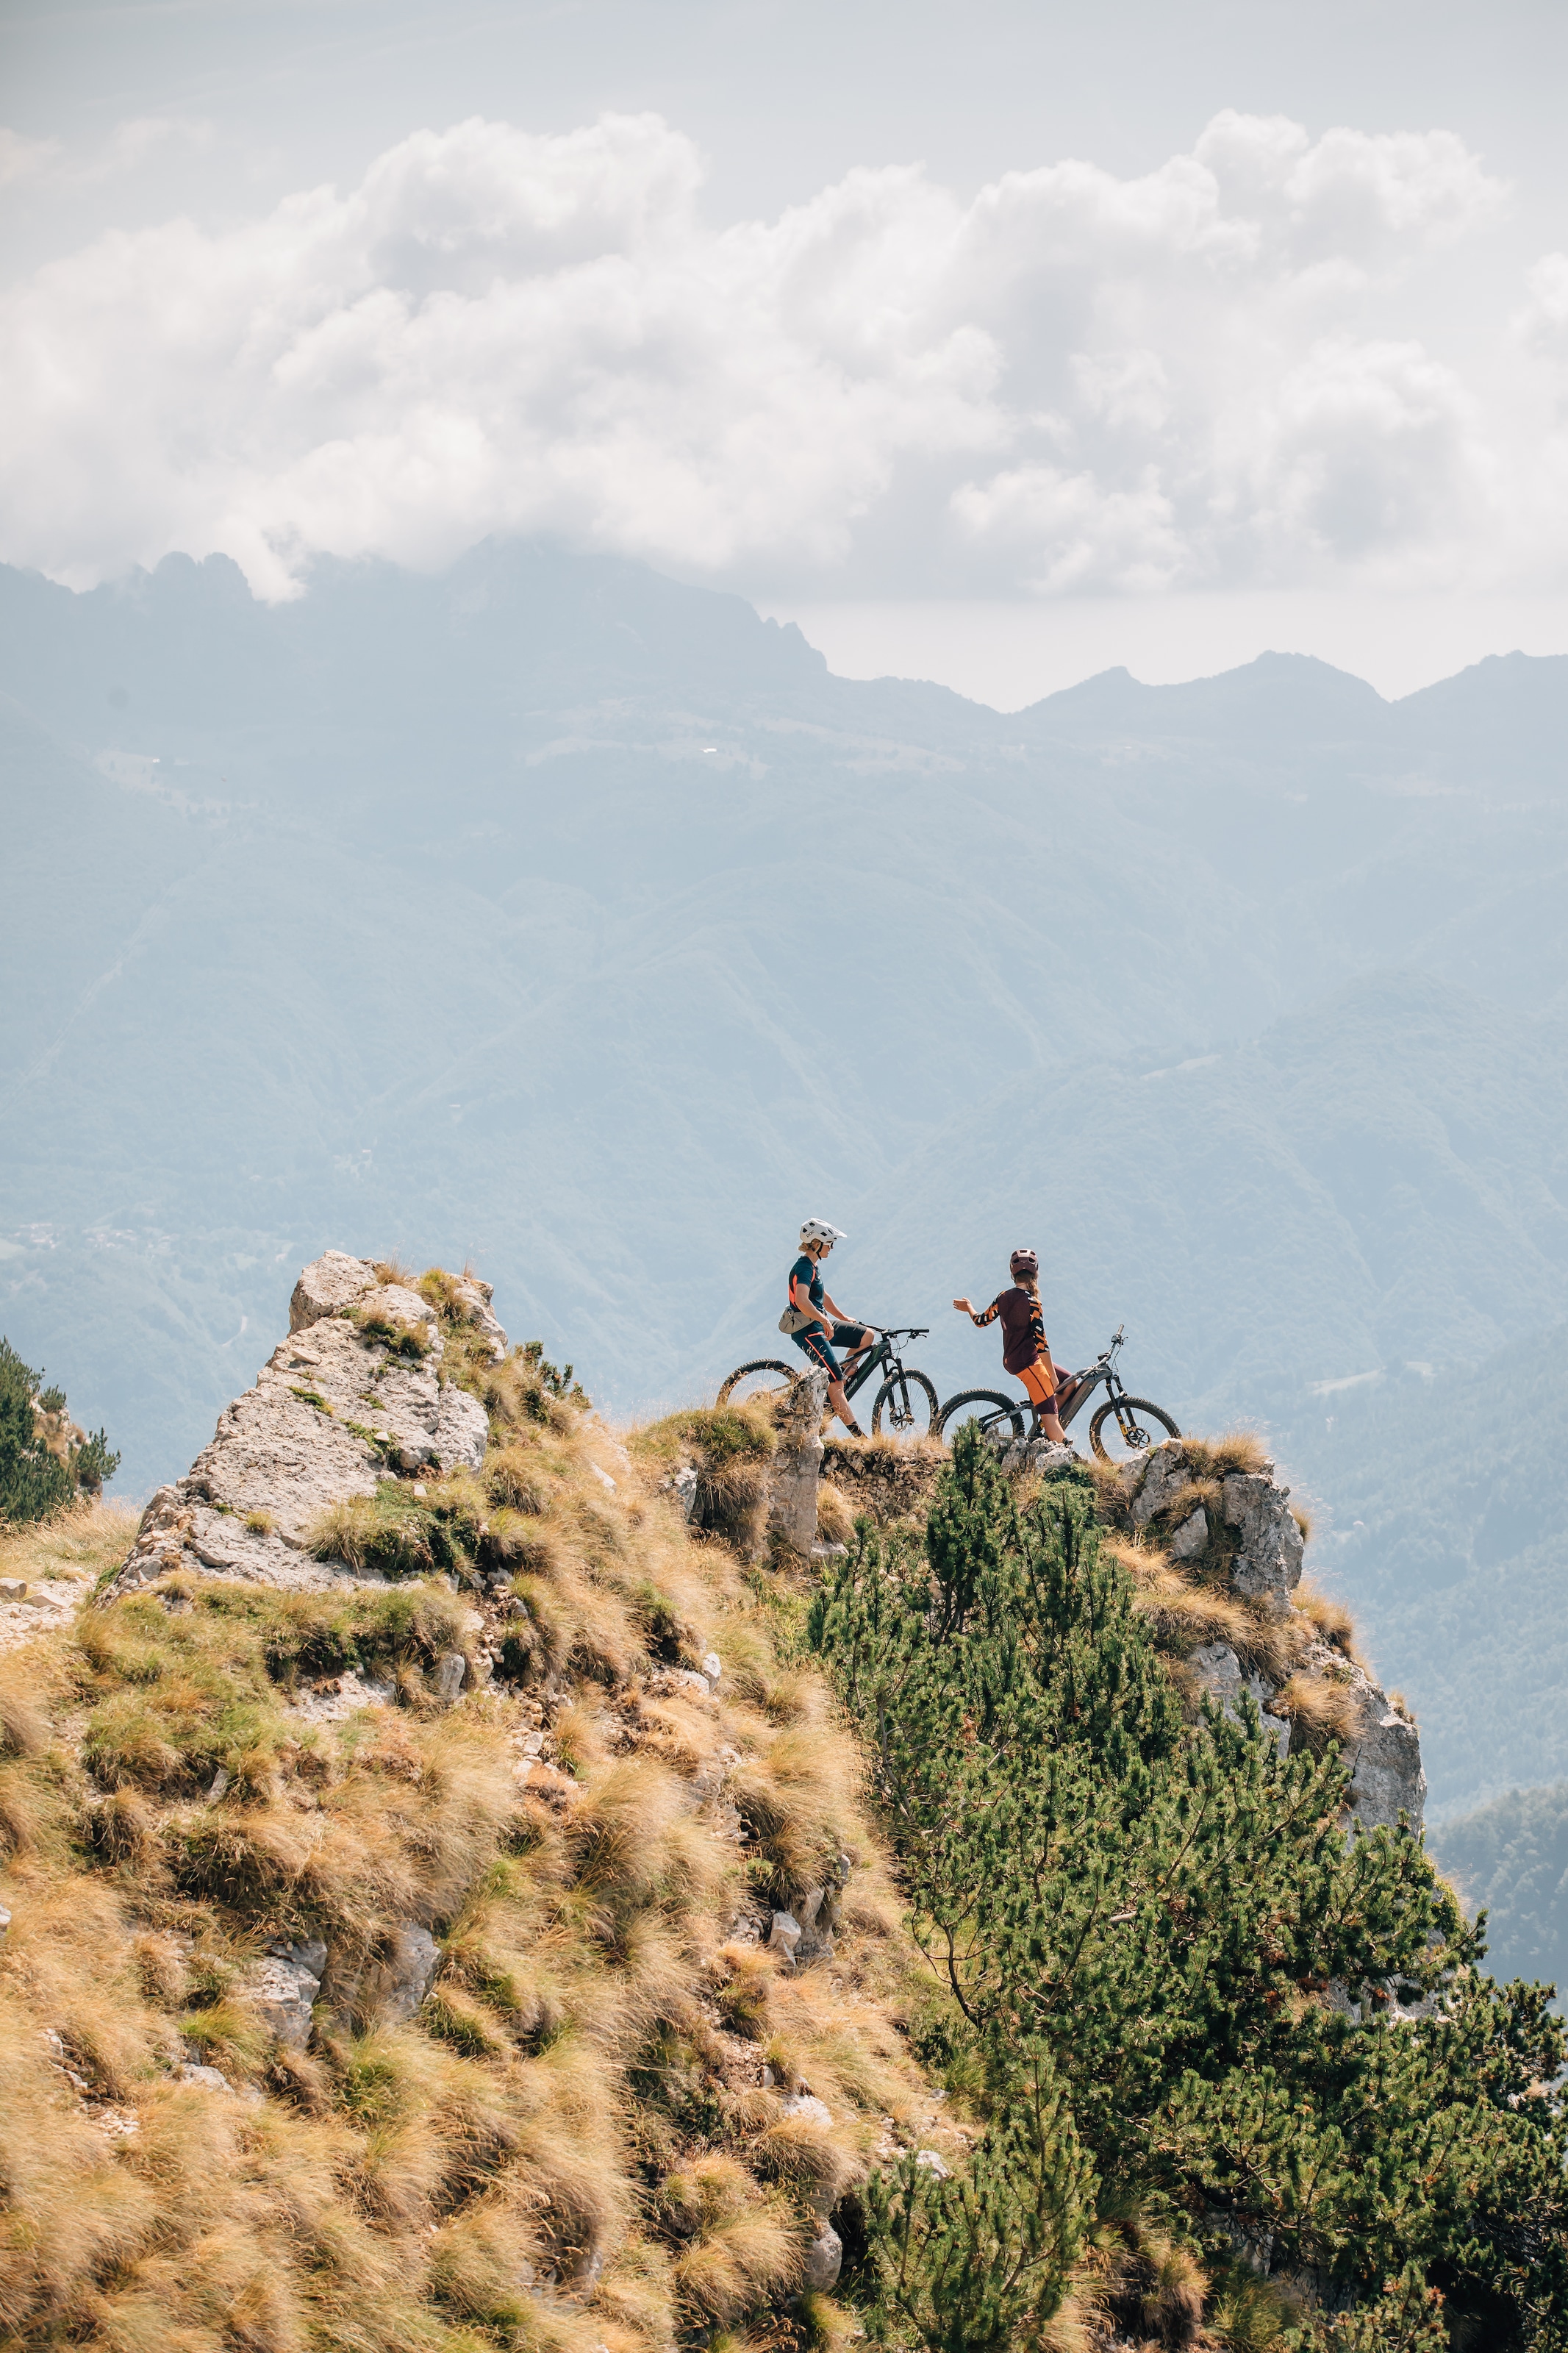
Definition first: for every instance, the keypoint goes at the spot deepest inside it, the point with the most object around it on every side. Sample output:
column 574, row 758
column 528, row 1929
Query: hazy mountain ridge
column 1510, row 1860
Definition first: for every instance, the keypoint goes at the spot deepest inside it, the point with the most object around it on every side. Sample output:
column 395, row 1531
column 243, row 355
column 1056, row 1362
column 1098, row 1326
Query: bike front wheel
column 987, row 1408
column 1127, row 1427
column 906, row 1407
column 765, row 1379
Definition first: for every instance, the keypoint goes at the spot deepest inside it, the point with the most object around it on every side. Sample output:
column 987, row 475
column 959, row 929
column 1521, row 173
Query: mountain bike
column 1122, row 1428
column 906, row 1403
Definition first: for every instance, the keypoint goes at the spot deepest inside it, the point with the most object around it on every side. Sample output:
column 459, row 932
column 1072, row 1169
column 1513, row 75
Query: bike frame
column 884, row 1352
column 1103, row 1373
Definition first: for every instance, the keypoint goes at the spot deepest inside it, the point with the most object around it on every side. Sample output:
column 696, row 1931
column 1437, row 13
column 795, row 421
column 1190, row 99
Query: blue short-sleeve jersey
column 808, row 1275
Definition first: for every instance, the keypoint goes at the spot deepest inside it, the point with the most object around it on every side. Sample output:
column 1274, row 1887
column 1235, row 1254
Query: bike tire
column 747, row 1378
column 910, row 1403
column 953, row 1413
column 1132, row 1438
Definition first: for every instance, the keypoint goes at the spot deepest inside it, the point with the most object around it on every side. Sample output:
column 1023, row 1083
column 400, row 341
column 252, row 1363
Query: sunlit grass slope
column 601, row 2128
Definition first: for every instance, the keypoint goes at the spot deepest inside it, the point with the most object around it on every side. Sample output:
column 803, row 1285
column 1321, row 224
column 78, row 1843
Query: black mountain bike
column 1122, row 1428
column 906, row 1405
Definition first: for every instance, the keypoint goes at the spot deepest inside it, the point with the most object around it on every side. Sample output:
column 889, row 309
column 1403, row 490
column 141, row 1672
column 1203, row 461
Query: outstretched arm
column 977, row 1316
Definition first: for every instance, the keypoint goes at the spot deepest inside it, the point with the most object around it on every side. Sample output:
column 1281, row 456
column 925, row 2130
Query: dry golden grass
column 1235, row 1450
column 834, row 1520
column 1329, row 1616
column 1321, row 1709
column 1188, row 1608
column 570, row 2146
column 75, row 1548
column 886, row 1480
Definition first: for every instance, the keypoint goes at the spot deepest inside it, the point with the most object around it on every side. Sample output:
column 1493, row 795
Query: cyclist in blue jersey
column 814, row 1321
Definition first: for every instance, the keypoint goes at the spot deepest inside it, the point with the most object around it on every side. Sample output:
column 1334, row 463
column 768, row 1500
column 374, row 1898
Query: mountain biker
column 806, row 1319
column 1025, row 1351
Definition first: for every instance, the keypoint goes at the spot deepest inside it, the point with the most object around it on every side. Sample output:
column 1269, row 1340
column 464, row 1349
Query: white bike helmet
column 816, row 1230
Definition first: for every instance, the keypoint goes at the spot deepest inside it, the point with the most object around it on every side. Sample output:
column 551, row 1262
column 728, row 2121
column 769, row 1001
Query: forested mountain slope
column 1510, row 1859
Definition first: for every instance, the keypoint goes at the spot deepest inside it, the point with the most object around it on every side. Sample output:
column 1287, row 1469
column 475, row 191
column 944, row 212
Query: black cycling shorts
column 814, row 1343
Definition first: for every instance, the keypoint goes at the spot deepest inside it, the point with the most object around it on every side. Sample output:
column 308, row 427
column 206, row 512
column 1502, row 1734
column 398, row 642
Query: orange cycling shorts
column 1037, row 1382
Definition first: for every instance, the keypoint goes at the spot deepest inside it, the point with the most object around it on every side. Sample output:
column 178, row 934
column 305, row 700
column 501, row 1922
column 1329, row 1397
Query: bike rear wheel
column 765, row 1376
column 987, row 1407
column 1126, row 1427
column 906, row 1407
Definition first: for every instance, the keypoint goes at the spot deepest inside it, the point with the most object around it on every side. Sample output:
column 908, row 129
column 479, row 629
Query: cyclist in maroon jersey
column 1025, row 1351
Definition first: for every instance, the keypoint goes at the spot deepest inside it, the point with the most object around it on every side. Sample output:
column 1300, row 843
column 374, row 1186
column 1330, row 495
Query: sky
column 997, row 342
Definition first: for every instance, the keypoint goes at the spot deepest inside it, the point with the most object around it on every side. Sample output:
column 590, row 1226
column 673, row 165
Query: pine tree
column 1174, row 1915
column 33, row 1482
column 977, row 2262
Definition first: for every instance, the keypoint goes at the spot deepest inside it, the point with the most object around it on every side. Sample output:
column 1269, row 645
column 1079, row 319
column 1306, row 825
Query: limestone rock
column 327, row 1286
column 930, row 2162
column 785, row 1935
column 1158, row 1480
column 797, row 1465
column 210, row 2078
column 1219, row 1672
column 1190, row 1536
column 334, row 1409
column 712, row 1666
column 475, row 1297
column 284, row 1986
column 1269, row 1562
column 394, row 1303
column 387, row 1988
column 1386, row 1778
column 824, row 2260
column 807, row 2108
column 1020, row 1455
column 449, row 1674
column 406, row 1977
column 462, row 1431
column 685, row 1485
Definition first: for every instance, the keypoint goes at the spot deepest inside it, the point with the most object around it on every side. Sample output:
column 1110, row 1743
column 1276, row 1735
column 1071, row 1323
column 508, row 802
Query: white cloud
column 1072, row 380
column 128, row 147
column 24, row 159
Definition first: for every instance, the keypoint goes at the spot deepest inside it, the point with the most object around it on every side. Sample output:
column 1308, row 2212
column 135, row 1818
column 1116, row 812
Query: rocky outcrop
column 1249, row 1529
column 1388, row 1779
column 1039, row 1455
column 1234, row 1526
column 353, row 1396
column 1221, row 1674
column 796, row 1466
column 1267, row 1563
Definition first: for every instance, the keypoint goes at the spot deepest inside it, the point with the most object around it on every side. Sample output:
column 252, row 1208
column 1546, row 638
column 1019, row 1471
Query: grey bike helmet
column 1024, row 1262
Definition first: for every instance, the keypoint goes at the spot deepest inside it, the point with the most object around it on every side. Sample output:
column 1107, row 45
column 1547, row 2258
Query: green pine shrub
column 1170, row 1921
column 45, row 1463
